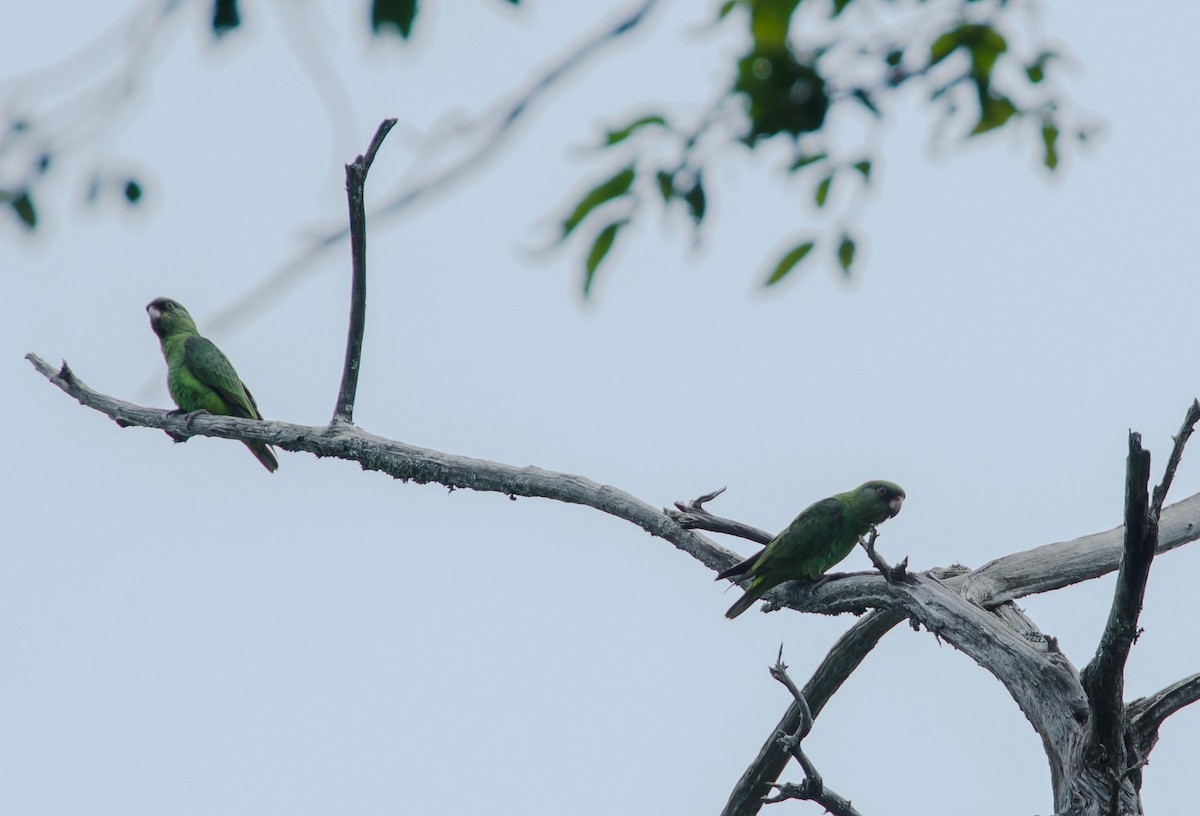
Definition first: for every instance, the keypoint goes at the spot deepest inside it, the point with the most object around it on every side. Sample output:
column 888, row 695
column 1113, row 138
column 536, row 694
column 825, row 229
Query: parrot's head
column 168, row 317
column 883, row 499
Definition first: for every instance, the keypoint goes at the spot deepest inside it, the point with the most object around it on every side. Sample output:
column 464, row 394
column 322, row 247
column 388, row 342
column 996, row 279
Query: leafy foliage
column 789, row 84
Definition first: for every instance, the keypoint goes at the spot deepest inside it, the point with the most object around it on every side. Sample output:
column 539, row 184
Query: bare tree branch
column 1064, row 563
column 1104, row 677
column 695, row 516
column 356, row 181
column 401, row 461
column 1147, row 714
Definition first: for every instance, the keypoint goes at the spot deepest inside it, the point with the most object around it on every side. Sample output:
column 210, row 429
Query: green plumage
column 818, row 538
column 199, row 376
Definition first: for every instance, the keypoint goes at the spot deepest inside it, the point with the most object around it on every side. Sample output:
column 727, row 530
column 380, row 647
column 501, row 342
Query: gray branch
column 1147, row 714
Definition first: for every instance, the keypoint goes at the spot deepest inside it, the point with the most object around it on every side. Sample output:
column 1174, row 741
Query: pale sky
column 187, row 634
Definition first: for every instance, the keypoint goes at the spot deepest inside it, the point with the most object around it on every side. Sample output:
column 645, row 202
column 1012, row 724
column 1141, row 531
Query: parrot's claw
column 188, row 416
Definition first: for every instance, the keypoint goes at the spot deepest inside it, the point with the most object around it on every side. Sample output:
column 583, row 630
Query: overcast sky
column 184, row 633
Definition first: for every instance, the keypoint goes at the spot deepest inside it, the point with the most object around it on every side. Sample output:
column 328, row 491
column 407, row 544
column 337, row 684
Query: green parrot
column 818, row 538
column 199, row 376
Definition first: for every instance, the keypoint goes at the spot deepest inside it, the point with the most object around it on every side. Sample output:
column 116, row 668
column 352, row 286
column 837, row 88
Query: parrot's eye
column 881, row 490
column 168, row 306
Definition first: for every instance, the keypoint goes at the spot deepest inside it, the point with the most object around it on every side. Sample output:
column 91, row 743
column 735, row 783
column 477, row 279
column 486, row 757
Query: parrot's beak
column 154, row 312
column 894, row 506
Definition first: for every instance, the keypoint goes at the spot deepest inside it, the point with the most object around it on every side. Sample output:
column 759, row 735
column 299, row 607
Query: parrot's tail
column 743, row 603
column 264, row 454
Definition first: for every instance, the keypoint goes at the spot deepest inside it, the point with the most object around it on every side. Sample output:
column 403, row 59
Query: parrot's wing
column 211, row 367
column 803, row 545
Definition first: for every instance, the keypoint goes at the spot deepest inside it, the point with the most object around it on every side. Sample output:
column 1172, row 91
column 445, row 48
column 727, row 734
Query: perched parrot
column 199, row 376
column 817, row 539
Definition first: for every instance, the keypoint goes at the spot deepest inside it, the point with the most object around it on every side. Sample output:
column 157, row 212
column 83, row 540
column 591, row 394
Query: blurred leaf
column 726, row 7
column 944, row 46
column 805, row 161
column 793, row 256
column 822, row 191
column 616, row 136
column 43, row 163
column 1050, row 143
column 864, row 167
column 1036, row 70
column 93, row 189
column 696, row 201
column 769, row 22
column 22, row 205
column 986, row 46
column 845, row 254
column 666, row 185
column 839, row 6
column 225, row 16
column 994, row 112
column 133, row 191
column 393, row 14
column 600, row 247
column 783, row 95
column 985, row 43
column 514, row 2
column 894, row 58
column 866, row 100
column 607, row 190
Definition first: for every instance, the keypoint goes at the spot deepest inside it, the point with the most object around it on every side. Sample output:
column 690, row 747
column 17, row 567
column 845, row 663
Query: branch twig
column 847, row 654
column 813, row 788
column 1181, row 438
column 356, row 181
column 891, row 574
column 1147, row 714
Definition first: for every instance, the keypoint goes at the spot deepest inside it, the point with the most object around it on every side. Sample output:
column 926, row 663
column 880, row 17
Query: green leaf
column 225, row 16
column 894, row 58
column 945, row 45
column 839, row 6
column 864, row 167
column 793, row 256
column 1036, row 70
column 606, row 190
column 994, row 112
column 726, row 7
column 666, row 185
column 1050, row 144
column 133, row 191
column 805, row 161
column 769, row 22
column 986, row 44
column 514, row 2
column 22, row 205
column 393, row 15
column 600, row 247
column 696, row 202
column 822, row 191
column 866, row 100
column 845, row 254
column 616, row 136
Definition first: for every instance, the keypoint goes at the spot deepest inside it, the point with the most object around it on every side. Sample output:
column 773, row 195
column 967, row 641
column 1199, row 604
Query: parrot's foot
column 188, row 416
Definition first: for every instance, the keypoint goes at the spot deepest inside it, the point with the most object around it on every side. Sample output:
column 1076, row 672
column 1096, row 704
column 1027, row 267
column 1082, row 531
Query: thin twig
column 845, row 656
column 1181, row 438
column 692, row 515
column 813, row 787
column 505, row 116
column 356, row 181
column 891, row 574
